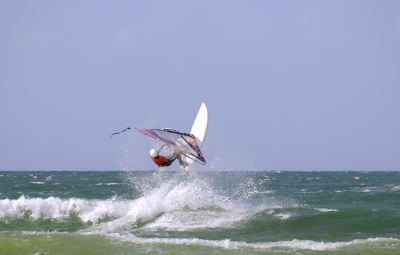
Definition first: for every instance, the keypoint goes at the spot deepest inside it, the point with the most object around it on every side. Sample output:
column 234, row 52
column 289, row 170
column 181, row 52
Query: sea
column 204, row 212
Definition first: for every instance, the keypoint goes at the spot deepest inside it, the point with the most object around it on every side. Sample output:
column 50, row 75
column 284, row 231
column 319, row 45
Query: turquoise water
column 153, row 212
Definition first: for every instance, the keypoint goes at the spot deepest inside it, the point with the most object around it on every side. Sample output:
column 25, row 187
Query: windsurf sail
column 185, row 143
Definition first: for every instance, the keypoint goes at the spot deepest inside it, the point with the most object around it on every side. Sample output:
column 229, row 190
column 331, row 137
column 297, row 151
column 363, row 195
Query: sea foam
column 172, row 206
column 234, row 245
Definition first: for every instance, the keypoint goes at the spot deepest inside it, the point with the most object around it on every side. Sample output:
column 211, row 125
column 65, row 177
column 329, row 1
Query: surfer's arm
column 162, row 146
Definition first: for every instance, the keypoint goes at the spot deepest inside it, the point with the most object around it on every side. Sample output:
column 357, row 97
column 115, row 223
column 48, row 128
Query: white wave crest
column 57, row 208
column 283, row 216
column 326, row 210
column 165, row 204
column 179, row 207
column 171, row 206
column 227, row 244
column 234, row 245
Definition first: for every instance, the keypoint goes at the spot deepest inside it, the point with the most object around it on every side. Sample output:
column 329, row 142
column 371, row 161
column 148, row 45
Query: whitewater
column 152, row 212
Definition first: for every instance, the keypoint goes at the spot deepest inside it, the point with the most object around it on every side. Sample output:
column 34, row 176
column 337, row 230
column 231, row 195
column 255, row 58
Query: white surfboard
column 199, row 130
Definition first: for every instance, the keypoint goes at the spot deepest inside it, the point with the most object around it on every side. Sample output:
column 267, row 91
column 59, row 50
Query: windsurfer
column 166, row 160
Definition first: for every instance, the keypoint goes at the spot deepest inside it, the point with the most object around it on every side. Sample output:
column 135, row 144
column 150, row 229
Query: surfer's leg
column 181, row 161
column 174, row 155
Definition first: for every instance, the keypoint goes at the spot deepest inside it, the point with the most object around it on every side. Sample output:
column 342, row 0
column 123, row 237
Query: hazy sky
column 289, row 85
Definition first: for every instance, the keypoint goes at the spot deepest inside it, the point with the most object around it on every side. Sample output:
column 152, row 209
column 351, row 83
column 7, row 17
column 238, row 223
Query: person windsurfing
column 166, row 159
column 181, row 146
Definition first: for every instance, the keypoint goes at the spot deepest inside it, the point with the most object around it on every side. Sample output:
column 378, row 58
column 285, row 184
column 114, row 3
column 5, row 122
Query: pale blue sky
column 290, row 85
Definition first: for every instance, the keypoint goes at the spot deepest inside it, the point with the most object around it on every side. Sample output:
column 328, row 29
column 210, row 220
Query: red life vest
column 161, row 160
